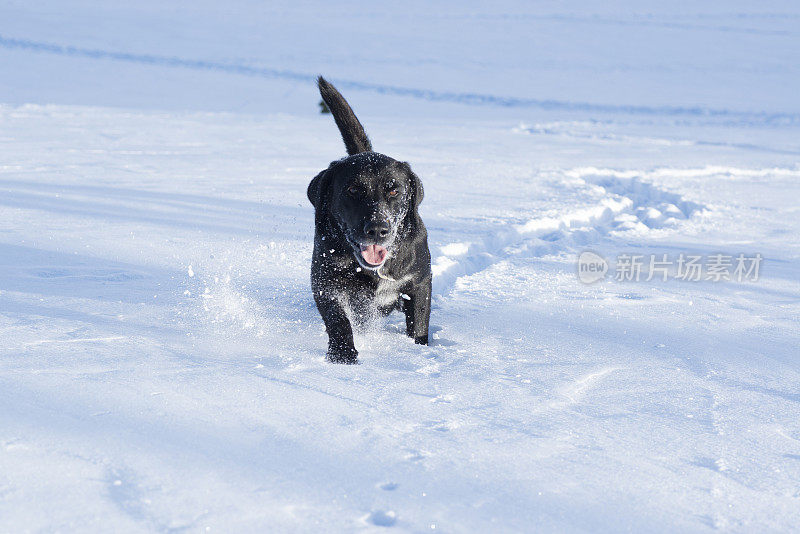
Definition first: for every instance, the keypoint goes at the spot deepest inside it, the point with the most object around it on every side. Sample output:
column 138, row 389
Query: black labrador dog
column 370, row 247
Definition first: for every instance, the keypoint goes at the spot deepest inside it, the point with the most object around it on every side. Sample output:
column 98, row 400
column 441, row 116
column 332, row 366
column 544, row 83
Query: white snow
column 162, row 362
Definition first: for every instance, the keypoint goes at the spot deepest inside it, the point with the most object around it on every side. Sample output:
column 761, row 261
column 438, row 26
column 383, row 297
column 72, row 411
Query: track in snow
column 751, row 118
column 628, row 203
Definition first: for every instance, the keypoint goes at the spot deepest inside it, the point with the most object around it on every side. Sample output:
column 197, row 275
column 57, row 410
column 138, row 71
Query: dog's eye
column 353, row 190
column 393, row 192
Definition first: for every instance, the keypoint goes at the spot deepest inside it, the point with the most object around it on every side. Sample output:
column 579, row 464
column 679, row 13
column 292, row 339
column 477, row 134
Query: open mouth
column 374, row 255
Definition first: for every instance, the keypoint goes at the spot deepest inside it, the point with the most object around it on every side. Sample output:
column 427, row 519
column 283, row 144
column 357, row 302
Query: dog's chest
column 388, row 291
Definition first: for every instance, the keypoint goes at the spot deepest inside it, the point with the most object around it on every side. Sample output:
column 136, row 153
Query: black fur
column 367, row 199
column 353, row 134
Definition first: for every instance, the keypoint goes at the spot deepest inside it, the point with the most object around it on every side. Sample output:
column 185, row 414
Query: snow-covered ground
column 161, row 359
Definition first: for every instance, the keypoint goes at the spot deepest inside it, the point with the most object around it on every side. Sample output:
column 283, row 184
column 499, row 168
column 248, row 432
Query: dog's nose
column 376, row 230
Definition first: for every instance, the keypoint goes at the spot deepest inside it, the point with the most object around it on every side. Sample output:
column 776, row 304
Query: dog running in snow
column 370, row 246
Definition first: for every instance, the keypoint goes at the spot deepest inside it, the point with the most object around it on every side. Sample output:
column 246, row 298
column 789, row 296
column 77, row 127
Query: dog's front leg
column 418, row 312
column 340, row 334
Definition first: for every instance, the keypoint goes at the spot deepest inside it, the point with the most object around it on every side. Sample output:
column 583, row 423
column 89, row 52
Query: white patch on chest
column 388, row 291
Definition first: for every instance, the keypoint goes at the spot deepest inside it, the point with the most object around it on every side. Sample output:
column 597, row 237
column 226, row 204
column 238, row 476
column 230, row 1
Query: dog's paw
column 421, row 340
column 345, row 355
column 346, row 360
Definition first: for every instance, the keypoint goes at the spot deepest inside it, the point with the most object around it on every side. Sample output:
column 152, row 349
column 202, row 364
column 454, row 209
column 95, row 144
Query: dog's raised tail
column 353, row 134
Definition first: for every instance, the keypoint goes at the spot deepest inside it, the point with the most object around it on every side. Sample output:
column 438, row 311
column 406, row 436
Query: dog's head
column 367, row 197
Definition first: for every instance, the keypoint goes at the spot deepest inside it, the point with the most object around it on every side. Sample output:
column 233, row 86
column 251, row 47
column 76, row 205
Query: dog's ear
column 317, row 188
column 417, row 191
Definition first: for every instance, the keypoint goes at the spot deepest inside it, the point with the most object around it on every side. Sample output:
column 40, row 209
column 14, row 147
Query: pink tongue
column 374, row 254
